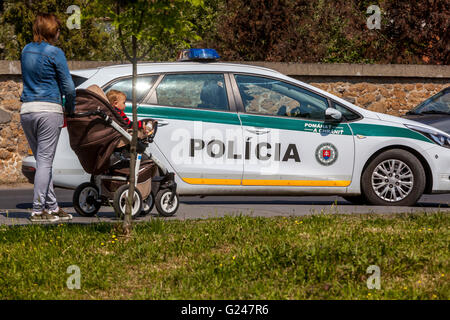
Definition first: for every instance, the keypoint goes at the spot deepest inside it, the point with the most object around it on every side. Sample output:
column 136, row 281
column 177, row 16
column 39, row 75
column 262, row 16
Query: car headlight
column 441, row 139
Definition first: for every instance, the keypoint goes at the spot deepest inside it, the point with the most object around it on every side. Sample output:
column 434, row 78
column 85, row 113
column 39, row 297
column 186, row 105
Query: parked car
column 434, row 111
column 246, row 130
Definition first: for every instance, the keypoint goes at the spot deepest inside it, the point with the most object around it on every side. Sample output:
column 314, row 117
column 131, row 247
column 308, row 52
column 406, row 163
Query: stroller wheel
column 120, row 202
column 86, row 199
column 164, row 207
column 148, row 204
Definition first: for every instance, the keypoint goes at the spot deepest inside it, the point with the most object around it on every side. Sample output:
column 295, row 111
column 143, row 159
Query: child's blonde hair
column 113, row 95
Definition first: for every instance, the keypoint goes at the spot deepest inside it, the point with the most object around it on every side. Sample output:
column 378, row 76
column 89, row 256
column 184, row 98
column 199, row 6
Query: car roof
column 177, row 66
column 143, row 68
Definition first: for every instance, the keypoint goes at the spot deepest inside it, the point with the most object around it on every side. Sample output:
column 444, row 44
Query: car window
column 273, row 97
column 346, row 113
column 439, row 103
column 143, row 86
column 196, row 90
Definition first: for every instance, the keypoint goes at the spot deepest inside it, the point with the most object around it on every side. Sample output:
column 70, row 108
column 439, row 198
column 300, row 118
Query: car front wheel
column 394, row 178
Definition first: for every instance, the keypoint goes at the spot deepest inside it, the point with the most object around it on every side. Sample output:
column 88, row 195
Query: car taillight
column 65, row 122
column 28, row 169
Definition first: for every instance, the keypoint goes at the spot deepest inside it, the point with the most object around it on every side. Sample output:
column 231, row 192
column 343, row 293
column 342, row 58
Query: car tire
column 86, row 199
column 161, row 202
column 120, row 198
column 357, row 200
column 393, row 178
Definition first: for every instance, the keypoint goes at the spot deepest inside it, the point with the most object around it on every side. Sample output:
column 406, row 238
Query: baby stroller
column 99, row 138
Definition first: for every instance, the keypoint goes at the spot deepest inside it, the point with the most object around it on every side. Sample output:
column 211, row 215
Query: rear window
column 143, row 86
column 196, row 90
column 77, row 80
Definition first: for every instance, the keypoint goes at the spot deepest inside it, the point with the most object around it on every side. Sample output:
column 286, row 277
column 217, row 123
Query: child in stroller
column 117, row 99
column 99, row 138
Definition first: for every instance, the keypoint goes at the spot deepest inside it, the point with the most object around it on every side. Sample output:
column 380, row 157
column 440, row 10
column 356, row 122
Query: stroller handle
column 97, row 112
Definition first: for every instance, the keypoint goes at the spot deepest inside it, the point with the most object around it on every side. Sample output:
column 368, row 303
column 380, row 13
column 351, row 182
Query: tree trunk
column 127, row 219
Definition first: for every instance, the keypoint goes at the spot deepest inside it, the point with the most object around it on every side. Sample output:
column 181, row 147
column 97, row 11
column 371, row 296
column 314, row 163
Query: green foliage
column 169, row 27
column 16, row 28
column 154, row 23
column 332, row 31
column 246, row 30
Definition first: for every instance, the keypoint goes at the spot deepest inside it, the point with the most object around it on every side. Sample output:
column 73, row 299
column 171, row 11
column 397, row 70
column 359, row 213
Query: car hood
column 439, row 121
column 388, row 118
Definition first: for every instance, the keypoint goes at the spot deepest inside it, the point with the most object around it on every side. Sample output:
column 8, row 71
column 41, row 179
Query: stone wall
column 388, row 94
column 13, row 144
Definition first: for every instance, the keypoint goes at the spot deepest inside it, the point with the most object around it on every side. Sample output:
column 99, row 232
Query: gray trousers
column 42, row 131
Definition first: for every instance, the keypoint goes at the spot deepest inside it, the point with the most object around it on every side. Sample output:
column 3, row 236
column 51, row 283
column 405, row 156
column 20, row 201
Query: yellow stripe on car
column 248, row 182
column 298, row 183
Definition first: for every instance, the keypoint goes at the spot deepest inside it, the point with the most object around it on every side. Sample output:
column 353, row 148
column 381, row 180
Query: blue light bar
column 198, row 55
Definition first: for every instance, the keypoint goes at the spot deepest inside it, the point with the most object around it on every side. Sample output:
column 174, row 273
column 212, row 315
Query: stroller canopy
column 91, row 138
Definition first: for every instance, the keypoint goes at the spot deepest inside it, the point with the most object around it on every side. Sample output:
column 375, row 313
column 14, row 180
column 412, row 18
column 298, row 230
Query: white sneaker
column 44, row 216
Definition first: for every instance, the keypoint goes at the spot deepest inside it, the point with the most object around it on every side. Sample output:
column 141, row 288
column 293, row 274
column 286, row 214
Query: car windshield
column 437, row 104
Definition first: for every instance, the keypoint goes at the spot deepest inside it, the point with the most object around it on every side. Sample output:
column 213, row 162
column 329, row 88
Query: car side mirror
column 333, row 114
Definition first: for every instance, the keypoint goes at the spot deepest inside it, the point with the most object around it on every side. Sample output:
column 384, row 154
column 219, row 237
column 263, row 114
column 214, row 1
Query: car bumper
column 441, row 163
column 29, row 169
column 68, row 176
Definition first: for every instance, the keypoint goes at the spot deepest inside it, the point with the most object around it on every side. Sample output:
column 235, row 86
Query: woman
column 46, row 78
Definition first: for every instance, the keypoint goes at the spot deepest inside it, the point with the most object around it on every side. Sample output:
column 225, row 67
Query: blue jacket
column 46, row 76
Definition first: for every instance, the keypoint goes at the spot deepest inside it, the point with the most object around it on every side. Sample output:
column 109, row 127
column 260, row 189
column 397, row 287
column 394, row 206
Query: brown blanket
column 92, row 140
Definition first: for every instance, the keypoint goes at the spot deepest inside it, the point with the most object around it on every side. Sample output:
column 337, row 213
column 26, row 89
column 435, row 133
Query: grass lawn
column 315, row 257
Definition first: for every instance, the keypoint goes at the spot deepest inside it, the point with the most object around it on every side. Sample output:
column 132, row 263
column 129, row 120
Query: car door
column 199, row 131
column 287, row 140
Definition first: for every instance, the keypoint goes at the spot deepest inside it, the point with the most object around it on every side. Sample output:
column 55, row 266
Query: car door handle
column 162, row 123
column 258, row 131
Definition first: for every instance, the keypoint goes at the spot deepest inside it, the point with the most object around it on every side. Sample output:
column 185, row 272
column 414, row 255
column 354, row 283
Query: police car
column 235, row 129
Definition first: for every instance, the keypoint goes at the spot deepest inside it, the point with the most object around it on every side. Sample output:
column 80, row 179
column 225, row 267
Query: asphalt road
column 15, row 205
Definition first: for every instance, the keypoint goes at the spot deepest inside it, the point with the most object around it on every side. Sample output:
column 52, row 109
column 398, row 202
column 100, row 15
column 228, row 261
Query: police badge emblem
column 326, row 154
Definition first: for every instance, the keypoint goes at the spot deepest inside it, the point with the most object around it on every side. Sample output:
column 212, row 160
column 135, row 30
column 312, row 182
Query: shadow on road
column 29, row 205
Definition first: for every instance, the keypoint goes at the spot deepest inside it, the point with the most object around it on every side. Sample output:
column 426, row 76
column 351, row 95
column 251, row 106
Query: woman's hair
column 114, row 95
column 45, row 28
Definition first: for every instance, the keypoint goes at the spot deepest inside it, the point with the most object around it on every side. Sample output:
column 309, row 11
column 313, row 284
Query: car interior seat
column 213, row 96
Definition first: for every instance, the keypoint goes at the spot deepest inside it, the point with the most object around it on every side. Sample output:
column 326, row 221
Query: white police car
column 239, row 129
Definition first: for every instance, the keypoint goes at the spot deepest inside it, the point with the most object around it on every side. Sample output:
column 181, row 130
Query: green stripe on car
column 188, row 114
column 371, row 130
column 375, row 130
